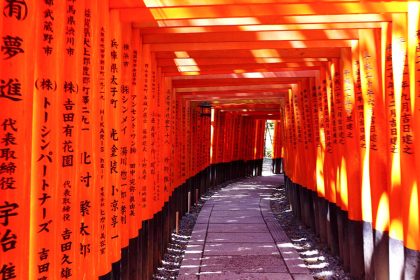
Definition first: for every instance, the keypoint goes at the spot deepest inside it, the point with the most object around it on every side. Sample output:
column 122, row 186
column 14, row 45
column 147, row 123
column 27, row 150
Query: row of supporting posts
column 362, row 250
column 277, row 165
column 144, row 254
column 343, row 236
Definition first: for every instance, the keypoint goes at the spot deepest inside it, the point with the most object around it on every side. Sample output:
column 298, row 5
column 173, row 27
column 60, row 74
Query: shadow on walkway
column 236, row 236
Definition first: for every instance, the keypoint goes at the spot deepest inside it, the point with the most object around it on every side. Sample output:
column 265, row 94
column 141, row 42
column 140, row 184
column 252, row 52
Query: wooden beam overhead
column 274, row 61
column 261, row 10
column 258, row 27
column 237, row 88
column 262, row 52
column 252, row 21
column 261, row 36
column 297, row 73
column 234, row 82
column 174, row 3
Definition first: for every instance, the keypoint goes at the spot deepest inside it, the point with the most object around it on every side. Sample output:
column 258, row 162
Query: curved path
column 236, row 236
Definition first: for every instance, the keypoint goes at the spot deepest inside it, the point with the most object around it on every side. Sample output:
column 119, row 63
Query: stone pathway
column 236, row 236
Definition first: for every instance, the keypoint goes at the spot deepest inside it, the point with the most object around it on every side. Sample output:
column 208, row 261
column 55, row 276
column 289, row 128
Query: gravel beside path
column 315, row 255
column 178, row 244
column 237, row 237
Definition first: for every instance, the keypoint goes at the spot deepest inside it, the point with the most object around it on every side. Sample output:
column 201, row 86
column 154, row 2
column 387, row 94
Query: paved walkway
column 237, row 237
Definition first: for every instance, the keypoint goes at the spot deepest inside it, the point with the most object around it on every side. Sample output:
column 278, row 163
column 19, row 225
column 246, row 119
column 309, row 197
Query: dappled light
column 414, row 217
column 209, row 22
column 382, row 219
column 242, row 240
column 342, row 175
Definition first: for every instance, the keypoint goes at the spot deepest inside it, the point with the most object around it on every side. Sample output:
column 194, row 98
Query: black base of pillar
column 124, row 264
column 332, row 230
column 322, row 216
column 381, row 255
column 116, row 270
column 106, row 277
column 342, row 226
column 133, row 251
column 355, row 229
column 144, row 250
column 315, row 211
column 412, row 264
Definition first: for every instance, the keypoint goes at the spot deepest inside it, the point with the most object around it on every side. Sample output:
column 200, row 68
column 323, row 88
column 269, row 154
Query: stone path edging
column 236, row 236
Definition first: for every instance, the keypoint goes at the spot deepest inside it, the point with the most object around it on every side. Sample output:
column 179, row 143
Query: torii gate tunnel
column 111, row 112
